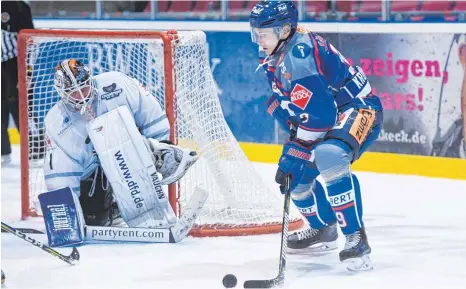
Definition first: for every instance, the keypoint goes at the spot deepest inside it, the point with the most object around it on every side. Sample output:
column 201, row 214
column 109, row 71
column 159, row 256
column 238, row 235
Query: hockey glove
column 293, row 161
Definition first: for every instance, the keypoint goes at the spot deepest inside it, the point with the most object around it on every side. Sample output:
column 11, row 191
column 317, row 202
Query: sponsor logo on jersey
column 275, row 89
column 321, row 41
column 362, row 124
column 109, row 88
column 309, row 211
column 66, row 125
column 343, row 118
column 300, row 96
column 98, row 129
column 341, row 199
column 48, row 143
column 112, row 94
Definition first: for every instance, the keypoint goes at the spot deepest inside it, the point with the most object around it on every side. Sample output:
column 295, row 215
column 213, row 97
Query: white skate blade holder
column 363, row 263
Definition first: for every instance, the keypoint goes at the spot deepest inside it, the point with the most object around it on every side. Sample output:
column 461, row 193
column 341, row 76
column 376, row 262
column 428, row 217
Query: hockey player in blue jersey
column 332, row 117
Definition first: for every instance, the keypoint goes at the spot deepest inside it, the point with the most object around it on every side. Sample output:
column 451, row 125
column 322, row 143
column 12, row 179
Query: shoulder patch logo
column 110, row 92
column 109, row 88
column 300, row 96
column 301, row 50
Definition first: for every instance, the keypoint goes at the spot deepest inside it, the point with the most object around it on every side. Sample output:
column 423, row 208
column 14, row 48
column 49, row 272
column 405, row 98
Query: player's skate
column 171, row 161
column 356, row 252
column 323, row 239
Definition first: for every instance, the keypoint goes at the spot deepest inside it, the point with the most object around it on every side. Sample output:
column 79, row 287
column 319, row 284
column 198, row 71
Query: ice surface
column 416, row 227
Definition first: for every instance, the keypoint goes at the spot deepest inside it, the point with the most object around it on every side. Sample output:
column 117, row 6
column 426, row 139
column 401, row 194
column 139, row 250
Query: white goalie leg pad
column 129, row 168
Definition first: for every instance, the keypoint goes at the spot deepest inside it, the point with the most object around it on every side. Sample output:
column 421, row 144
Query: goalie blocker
column 65, row 226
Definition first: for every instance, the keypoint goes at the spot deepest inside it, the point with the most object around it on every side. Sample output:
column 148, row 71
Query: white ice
column 416, row 228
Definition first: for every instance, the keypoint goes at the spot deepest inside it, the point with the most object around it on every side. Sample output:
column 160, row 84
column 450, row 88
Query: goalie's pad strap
column 130, row 170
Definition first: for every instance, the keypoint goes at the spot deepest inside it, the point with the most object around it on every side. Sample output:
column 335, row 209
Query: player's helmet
column 273, row 14
column 73, row 82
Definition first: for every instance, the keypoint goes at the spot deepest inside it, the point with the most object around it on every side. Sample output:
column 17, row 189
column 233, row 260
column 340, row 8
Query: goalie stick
column 280, row 279
column 72, row 259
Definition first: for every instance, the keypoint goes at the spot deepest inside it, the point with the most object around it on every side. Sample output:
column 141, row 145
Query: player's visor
column 265, row 35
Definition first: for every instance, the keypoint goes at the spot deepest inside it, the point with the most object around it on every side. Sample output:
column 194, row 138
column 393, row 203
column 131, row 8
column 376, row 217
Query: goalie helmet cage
column 174, row 67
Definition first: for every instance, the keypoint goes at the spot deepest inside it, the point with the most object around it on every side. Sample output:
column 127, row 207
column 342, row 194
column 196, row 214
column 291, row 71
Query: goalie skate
column 323, row 239
column 356, row 252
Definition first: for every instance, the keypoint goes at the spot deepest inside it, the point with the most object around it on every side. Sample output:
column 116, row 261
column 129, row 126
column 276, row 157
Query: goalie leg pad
column 129, row 168
column 63, row 217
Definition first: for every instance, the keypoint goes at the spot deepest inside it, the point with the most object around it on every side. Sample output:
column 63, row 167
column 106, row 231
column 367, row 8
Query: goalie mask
column 73, row 83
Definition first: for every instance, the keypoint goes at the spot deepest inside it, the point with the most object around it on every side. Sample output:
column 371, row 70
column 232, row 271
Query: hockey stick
column 72, row 259
column 280, row 279
column 25, row 231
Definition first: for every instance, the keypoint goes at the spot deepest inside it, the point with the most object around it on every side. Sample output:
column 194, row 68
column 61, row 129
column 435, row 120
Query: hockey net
column 175, row 68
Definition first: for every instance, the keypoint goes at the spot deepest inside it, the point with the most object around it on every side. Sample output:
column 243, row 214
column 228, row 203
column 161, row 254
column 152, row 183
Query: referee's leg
column 6, row 146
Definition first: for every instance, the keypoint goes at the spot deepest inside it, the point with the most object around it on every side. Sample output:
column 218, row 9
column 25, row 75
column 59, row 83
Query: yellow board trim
column 370, row 162
column 14, row 135
column 377, row 162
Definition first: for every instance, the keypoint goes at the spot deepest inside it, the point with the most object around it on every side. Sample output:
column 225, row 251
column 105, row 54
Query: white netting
column 238, row 197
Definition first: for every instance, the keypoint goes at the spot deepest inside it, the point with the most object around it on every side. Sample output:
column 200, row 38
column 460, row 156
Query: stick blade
column 263, row 283
column 74, row 256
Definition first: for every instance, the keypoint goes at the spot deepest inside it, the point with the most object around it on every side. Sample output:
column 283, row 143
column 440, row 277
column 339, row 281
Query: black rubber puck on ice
column 229, row 281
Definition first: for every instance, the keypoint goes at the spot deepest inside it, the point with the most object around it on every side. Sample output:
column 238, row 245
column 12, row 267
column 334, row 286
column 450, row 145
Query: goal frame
column 167, row 38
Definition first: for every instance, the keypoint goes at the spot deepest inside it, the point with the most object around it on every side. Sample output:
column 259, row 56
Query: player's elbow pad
column 358, row 86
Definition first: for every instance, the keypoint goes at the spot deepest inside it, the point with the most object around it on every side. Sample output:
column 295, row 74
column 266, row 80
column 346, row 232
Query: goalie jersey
column 311, row 83
column 70, row 154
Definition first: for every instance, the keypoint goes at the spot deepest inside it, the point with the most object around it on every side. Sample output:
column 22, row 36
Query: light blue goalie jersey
column 70, row 155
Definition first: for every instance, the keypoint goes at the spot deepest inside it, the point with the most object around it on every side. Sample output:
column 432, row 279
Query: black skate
column 323, row 239
column 356, row 252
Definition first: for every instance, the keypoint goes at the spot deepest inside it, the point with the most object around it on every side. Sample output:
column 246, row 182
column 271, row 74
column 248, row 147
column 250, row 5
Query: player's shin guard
column 322, row 234
column 345, row 197
column 333, row 159
column 313, row 205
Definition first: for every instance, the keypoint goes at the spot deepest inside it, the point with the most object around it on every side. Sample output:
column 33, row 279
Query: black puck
column 229, row 281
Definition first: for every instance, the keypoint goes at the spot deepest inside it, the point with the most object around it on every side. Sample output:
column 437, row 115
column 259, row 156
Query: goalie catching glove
column 171, row 161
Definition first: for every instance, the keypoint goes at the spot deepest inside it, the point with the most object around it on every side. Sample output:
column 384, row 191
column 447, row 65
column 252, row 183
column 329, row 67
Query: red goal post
column 174, row 67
